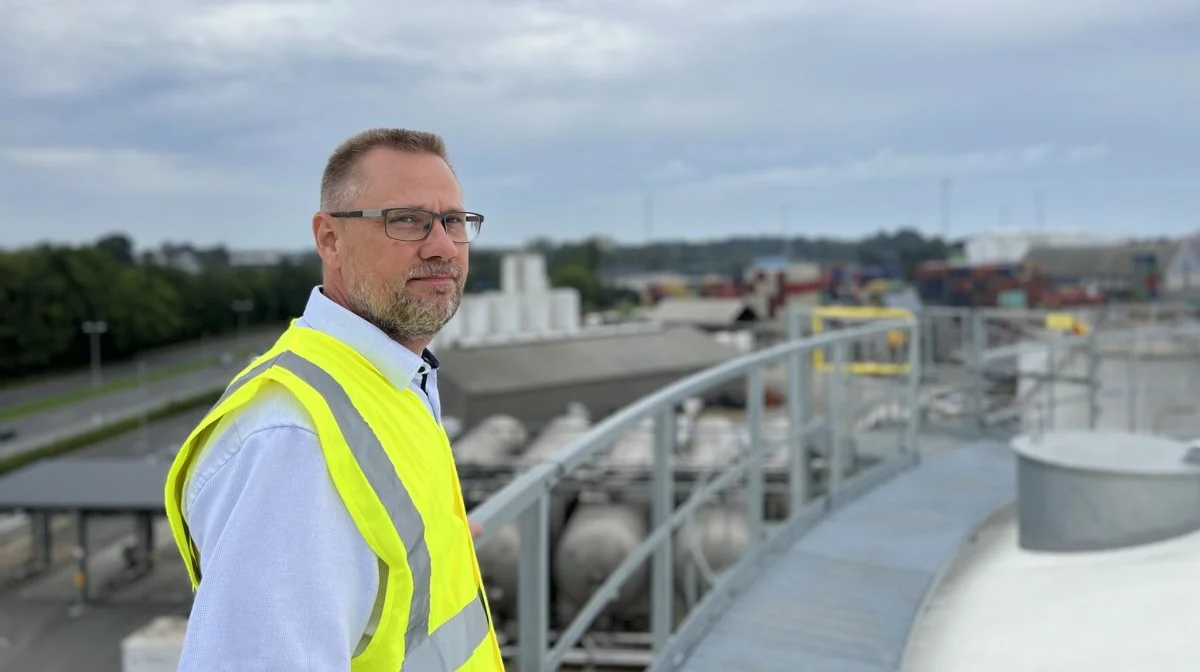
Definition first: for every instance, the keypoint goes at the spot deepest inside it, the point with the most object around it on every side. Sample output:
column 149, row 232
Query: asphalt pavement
column 38, row 429
column 40, row 631
column 176, row 355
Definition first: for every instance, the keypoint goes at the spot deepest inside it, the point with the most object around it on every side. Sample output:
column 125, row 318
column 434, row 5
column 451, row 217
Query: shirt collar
column 397, row 363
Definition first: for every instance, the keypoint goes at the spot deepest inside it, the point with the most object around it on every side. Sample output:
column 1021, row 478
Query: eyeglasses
column 414, row 224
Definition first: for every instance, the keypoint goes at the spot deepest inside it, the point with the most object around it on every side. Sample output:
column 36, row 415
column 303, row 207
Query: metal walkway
column 846, row 595
column 836, row 579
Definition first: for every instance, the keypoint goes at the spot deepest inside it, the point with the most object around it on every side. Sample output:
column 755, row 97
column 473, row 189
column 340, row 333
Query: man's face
column 407, row 289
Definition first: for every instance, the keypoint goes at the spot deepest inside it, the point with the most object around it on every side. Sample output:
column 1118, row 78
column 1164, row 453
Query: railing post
column 1133, row 372
column 799, row 400
column 755, row 393
column 1048, row 387
column 836, row 395
column 913, row 426
column 533, row 584
column 1093, row 380
column 977, row 369
column 663, row 504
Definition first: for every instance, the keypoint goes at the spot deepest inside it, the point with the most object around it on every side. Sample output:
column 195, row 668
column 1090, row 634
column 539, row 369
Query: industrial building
column 526, row 305
column 718, row 314
column 603, row 369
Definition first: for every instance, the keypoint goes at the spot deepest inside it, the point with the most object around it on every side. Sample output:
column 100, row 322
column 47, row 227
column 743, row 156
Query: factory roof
column 1080, row 261
column 580, row 359
column 715, row 312
column 108, row 484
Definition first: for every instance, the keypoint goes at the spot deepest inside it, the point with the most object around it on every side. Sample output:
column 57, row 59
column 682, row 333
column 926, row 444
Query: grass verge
column 127, row 383
column 65, row 446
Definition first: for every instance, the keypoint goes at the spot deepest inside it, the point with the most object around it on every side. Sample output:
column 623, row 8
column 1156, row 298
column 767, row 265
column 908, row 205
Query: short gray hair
column 340, row 185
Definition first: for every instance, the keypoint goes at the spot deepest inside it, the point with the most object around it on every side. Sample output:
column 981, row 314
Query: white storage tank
column 537, row 309
column 715, row 443
column 476, row 315
column 452, row 331
column 595, row 542
column 499, row 562
column 633, row 453
column 533, row 274
column 720, row 534
column 491, row 443
column 156, row 647
column 505, row 312
column 510, row 274
column 564, row 311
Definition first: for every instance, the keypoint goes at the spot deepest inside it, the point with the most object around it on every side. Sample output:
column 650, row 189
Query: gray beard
column 399, row 314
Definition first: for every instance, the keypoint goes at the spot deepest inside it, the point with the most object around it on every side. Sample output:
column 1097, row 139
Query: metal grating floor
column 847, row 594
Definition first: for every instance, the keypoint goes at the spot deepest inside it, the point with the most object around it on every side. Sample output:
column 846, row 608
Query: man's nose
column 438, row 245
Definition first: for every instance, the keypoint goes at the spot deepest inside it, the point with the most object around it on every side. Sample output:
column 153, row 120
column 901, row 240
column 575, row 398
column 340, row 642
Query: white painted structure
column 525, row 307
column 1003, row 608
column 1181, row 277
column 156, row 647
column 1009, row 246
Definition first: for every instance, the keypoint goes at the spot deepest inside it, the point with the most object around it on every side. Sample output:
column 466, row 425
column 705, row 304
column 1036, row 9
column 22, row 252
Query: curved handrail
column 508, row 502
column 524, row 500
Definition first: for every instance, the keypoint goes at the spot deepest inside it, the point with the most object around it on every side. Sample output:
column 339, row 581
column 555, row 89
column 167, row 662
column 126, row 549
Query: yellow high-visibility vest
column 392, row 466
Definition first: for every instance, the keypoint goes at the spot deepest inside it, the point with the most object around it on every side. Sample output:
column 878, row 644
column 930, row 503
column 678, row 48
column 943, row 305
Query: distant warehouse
column 534, row 381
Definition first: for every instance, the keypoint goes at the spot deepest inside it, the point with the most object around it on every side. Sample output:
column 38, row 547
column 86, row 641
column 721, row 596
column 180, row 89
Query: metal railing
column 527, row 499
column 1102, row 379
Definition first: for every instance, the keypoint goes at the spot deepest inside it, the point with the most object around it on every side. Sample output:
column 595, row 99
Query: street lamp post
column 94, row 328
column 242, row 307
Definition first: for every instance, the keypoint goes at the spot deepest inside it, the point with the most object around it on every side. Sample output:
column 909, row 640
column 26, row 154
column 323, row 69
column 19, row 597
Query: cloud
column 122, row 171
column 886, row 165
column 580, row 106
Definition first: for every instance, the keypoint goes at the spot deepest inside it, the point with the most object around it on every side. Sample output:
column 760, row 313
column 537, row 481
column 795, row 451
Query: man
column 317, row 505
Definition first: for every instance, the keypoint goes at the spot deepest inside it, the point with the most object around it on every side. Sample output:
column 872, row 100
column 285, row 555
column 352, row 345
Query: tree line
column 177, row 293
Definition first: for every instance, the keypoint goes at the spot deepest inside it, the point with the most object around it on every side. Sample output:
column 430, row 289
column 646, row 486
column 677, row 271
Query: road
column 38, row 630
column 37, row 429
column 176, row 355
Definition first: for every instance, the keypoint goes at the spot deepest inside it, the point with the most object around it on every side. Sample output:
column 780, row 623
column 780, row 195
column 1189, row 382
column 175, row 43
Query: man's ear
column 326, row 234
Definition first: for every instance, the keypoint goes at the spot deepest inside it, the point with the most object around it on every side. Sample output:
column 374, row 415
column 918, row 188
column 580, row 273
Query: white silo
column 505, row 312
column 533, row 274
column 476, row 310
column 537, row 313
column 564, row 309
column 510, row 274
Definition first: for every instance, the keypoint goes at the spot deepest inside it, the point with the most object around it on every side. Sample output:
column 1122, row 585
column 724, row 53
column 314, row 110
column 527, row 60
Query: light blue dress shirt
column 288, row 582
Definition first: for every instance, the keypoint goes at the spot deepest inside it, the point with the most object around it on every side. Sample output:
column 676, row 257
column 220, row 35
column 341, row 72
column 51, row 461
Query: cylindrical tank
column 533, row 274
column 633, row 453
column 476, row 314
column 498, row 560
column 595, row 542
column 776, row 429
column 565, row 315
column 510, row 274
column 537, row 313
column 715, row 443
column 557, row 433
column 505, row 313
column 719, row 533
column 498, row 563
column 491, row 443
column 452, row 330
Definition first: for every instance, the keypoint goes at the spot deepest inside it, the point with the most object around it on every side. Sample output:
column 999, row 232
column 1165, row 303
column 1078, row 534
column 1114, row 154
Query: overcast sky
column 209, row 121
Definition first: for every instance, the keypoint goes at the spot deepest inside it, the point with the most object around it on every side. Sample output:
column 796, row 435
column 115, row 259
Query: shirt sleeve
column 287, row 581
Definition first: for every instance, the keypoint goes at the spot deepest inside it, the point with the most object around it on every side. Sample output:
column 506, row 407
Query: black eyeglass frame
column 472, row 231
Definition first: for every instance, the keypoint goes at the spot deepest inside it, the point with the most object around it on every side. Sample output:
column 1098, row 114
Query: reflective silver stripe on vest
column 451, row 645
column 377, row 467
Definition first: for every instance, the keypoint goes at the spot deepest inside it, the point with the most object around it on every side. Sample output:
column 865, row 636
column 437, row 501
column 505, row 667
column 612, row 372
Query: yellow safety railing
column 896, row 339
